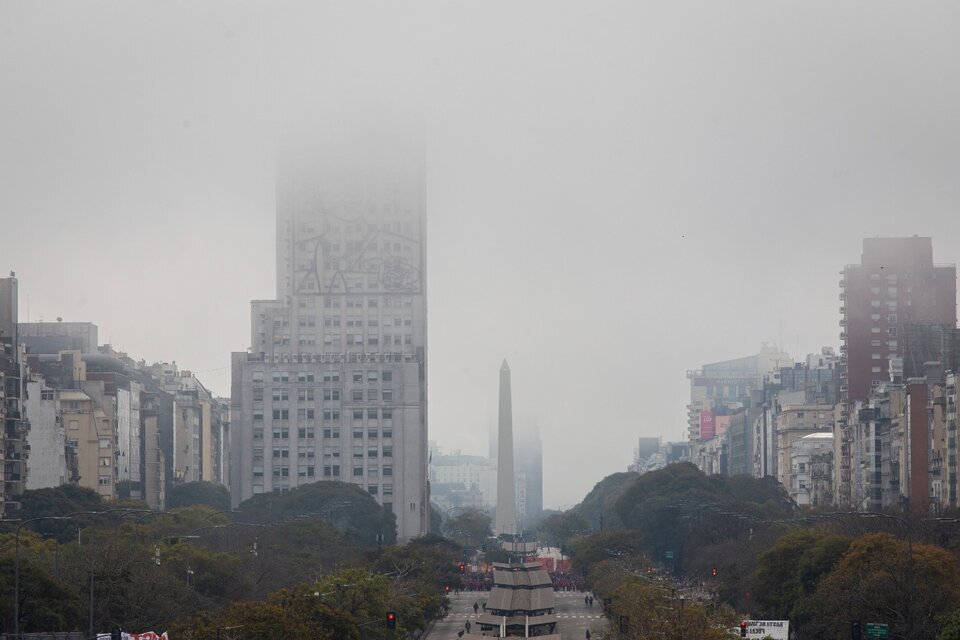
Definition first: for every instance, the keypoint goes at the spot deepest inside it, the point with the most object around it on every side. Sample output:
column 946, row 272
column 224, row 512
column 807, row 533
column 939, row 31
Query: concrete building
column 52, row 461
column 895, row 284
column 795, row 422
column 809, row 464
column 334, row 384
column 54, row 337
column 12, row 438
column 458, row 480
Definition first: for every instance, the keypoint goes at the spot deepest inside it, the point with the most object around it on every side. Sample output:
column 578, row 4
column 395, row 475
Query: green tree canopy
column 345, row 506
column 602, row 499
column 471, row 527
column 194, row 493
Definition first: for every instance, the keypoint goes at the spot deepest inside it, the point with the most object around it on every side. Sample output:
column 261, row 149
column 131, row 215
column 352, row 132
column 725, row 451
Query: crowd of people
column 478, row 581
column 564, row 581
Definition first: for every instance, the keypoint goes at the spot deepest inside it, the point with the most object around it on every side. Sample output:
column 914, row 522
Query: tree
column 471, row 527
column 346, row 506
column 602, row 500
column 199, row 493
column 561, row 529
column 883, row 579
column 789, row 572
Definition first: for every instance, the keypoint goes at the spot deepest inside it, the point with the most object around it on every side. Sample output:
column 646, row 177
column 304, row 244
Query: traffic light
column 713, row 572
column 391, row 620
column 446, row 588
column 624, row 624
column 743, row 629
column 855, row 631
column 463, row 568
column 116, row 633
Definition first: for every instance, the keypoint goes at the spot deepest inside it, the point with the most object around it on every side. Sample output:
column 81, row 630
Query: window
column 372, row 452
column 258, row 434
column 875, row 343
column 105, row 462
column 388, row 414
column 281, row 414
column 373, row 489
column 875, row 356
column 104, row 443
column 331, row 376
column 372, row 375
column 372, row 432
column 388, row 395
column 281, row 434
column 357, row 395
column 357, row 433
column 373, row 471
column 358, row 376
column 387, row 376
column 372, row 395
column 331, row 394
column 358, row 451
column 305, row 395
column 281, row 376
column 358, row 472
column 371, row 414
column 105, row 481
column 875, row 369
column 305, row 414
column 258, row 376
column 387, row 451
column 387, row 490
column 387, row 432
column 358, row 415
column 258, row 394
column 280, row 394
column 892, row 331
column 305, row 377
column 874, row 329
column 388, row 469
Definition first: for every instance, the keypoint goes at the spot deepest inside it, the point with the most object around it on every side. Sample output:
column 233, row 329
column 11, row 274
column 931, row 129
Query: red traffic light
column 391, row 620
column 446, row 588
column 713, row 571
column 743, row 629
column 463, row 568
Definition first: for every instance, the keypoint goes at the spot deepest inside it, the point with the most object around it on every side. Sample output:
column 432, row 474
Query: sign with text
column 758, row 629
column 877, row 630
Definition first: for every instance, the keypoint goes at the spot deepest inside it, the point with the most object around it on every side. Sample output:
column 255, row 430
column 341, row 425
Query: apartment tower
column 895, row 288
column 333, row 386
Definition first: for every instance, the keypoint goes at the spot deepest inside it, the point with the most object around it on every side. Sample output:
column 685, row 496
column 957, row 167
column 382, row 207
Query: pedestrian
column 484, row 607
column 588, row 634
column 475, row 607
column 467, row 625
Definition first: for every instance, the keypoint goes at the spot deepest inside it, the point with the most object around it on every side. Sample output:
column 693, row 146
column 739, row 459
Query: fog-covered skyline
column 617, row 192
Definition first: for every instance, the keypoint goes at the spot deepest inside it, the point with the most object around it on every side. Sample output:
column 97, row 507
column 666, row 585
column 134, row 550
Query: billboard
column 707, row 427
column 757, row 629
column 722, row 423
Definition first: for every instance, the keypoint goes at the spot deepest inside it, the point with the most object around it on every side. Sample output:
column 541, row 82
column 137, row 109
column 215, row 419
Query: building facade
column 334, row 384
column 896, row 284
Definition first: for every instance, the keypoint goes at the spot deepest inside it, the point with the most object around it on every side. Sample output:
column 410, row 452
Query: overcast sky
column 618, row 191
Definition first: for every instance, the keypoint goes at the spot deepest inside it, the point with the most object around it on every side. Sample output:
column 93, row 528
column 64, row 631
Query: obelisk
column 506, row 520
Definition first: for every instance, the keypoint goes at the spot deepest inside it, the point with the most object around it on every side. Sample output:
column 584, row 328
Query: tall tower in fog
column 506, row 520
column 334, row 386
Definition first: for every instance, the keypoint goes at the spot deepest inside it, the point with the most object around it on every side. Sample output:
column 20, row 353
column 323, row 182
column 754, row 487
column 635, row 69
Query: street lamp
column 16, row 564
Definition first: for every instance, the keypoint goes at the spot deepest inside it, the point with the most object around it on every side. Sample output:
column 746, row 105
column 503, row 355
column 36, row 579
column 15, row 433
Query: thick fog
column 617, row 191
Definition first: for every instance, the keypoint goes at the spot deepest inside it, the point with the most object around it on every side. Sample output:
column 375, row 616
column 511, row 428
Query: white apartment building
column 333, row 386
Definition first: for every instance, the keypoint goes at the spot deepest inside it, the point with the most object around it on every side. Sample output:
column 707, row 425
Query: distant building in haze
column 895, row 285
column 334, row 384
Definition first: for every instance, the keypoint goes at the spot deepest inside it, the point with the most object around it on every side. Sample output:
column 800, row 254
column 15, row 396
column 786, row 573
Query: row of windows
column 357, row 375
column 330, row 415
column 333, row 433
column 336, row 339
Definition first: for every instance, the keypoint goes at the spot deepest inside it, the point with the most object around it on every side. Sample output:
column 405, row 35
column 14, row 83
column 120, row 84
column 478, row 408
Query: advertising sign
column 148, row 635
column 722, row 423
column 707, row 428
column 757, row 629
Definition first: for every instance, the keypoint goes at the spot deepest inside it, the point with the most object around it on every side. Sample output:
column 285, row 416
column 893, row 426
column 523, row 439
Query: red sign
column 708, row 429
